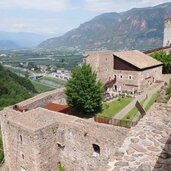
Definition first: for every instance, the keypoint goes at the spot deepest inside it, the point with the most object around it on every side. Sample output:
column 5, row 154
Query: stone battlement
column 38, row 139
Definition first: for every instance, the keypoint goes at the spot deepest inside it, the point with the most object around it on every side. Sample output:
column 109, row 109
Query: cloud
column 118, row 5
column 57, row 5
column 58, row 16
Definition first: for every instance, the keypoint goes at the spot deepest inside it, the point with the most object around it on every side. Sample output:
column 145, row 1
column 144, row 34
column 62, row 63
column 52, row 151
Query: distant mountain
column 22, row 39
column 8, row 44
column 138, row 28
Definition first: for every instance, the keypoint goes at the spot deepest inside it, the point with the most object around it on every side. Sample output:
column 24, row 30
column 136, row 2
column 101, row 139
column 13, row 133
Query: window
column 114, row 76
column 21, row 139
column 120, row 76
column 22, row 156
column 130, row 77
column 96, row 148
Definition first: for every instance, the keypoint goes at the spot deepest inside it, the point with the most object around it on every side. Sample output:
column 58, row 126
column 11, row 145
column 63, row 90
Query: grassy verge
column 61, row 168
column 1, row 149
column 132, row 113
column 112, row 108
column 40, row 88
column 151, row 101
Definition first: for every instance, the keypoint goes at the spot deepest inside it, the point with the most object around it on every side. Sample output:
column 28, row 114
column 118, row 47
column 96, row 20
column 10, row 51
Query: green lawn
column 40, row 88
column 112, row 108
column 133, row 112
column 1, row 149
column 151, row 101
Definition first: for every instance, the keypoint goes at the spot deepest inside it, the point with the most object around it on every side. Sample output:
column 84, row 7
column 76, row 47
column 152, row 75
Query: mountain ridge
column 137, row 28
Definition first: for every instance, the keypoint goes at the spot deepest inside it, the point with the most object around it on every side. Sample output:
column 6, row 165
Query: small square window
column 120, row 76
column 130, row 77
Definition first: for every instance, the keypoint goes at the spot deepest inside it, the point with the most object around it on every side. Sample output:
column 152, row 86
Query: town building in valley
column 126, row 71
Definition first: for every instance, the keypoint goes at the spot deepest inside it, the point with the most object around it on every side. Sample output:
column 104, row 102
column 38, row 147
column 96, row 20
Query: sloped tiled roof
column 137, row 58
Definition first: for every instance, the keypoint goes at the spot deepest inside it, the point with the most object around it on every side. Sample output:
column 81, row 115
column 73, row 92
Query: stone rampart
column 148, row 146
column 40, row 139
column 43, row 99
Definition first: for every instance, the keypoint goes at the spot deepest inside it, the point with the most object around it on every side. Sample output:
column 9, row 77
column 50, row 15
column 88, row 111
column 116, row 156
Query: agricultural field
column 60, row 59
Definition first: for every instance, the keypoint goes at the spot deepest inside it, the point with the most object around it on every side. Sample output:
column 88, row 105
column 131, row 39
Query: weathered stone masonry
column 39, row 139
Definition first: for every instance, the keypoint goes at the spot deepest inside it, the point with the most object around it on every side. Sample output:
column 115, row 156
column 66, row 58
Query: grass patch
column 61, row 168
column 55, row 80
column 151, row 101
column 112, row 108
column 1, row 149
column 40, row 88
column 19, row 71
column 132, row 113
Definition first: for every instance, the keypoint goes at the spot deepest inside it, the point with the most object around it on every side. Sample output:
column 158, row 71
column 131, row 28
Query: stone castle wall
column 126, row 84
column 68, row 140
column 102, row 63
column 147, row 77
column 39, row 139
column 148, row 146
column 43, row 99
column 167, row 32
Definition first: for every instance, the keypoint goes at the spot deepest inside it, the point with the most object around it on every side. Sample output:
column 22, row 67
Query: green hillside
column 13, row 88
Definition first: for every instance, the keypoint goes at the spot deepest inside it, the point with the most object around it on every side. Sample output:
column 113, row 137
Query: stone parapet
column 148, row 146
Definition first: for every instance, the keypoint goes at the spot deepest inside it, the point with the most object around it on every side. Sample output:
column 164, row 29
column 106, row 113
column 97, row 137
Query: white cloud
column 36, row 25
column 119, row 5
column 57, row 5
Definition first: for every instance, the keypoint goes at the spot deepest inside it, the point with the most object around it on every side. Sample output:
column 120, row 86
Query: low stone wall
column 51, row 137
column 148, row 145
column 43, row 99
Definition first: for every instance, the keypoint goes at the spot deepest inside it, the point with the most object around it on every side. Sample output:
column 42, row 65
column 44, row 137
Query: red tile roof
column 56, row 107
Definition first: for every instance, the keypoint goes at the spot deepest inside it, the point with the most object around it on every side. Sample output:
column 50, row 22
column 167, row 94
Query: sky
column 59, row 16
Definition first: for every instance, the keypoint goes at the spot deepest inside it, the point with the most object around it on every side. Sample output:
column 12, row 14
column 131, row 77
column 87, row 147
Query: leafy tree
column 165, row 58
column 13, row 88
column 84, row 93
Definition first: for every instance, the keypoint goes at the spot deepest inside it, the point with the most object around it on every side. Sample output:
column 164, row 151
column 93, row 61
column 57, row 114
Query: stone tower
column 167, row 32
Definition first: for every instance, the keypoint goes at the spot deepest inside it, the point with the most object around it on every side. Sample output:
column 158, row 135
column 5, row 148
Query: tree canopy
column 13, row 88
column 84, row 92
column 165, row 58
